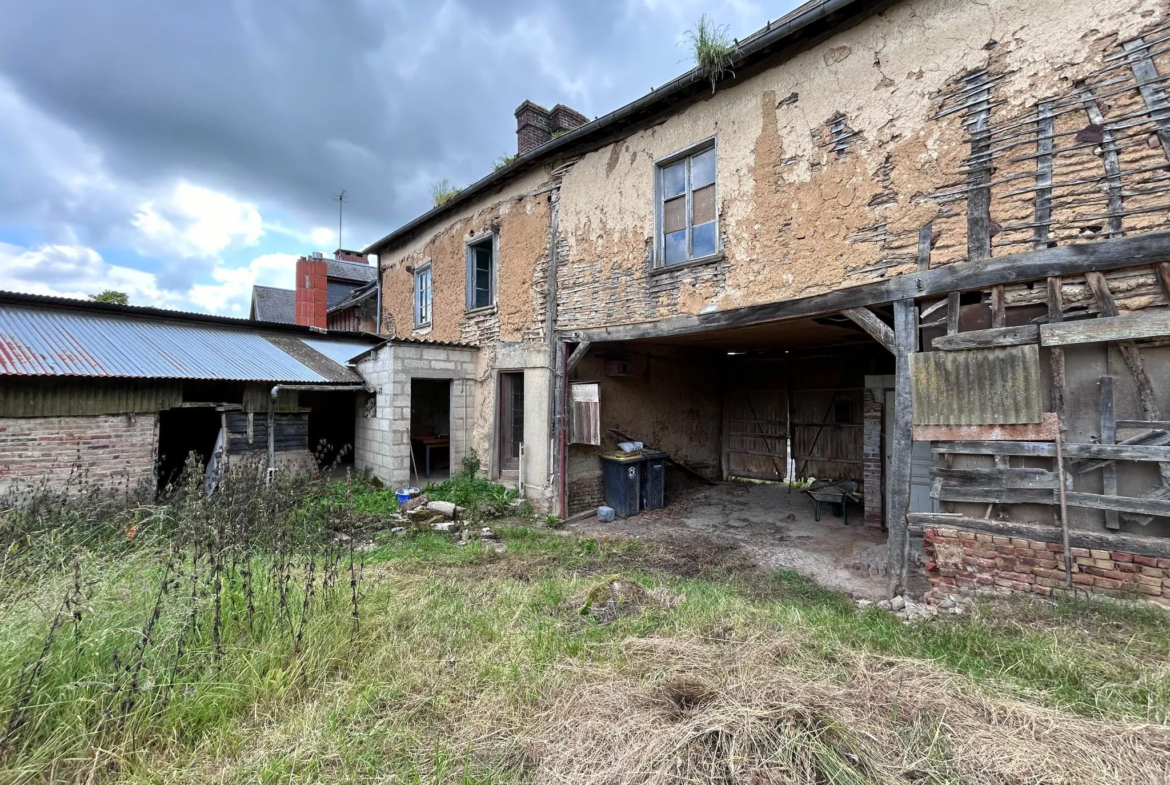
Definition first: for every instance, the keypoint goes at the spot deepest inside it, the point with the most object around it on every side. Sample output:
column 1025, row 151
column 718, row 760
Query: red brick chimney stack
column 343, row 255
column 311, row 291
column 536, row 125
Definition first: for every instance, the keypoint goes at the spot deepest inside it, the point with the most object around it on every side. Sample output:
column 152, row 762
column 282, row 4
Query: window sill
column 422, row 329
column 487, row 309
column 702, row 260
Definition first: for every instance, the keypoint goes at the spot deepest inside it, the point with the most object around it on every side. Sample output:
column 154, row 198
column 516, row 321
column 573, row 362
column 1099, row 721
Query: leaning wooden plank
column 1134, row 504
column 1130, row 353
column 1043, row 431
column 1113, row 452
column 1007, row 478
column 869, row 321
column 1056, row 353
column 576, row 356
column 985, row 339
column 1109, row 436
column 948, row 493
column 1107, row 328
column 1149, row 438
column 1145, row 73
column 1158, row 547
column 1145, row 425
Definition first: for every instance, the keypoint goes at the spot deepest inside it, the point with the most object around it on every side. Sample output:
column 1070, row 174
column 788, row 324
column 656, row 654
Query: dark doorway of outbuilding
column 332, row 426
column 430, row 427
column 181, row 433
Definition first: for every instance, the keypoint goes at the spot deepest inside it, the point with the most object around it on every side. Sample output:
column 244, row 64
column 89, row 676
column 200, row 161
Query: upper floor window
column 422, row 295
column 481, row 272
column 687, row 226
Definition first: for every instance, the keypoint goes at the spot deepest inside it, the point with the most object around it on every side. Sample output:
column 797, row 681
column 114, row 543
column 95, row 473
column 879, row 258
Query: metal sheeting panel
column 40, row 341
column 340, row 352
column 54, row 397
column 977, row 387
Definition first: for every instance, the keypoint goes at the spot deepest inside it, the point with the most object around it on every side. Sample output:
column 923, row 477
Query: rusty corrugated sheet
column 977, row 387
column 37, row 340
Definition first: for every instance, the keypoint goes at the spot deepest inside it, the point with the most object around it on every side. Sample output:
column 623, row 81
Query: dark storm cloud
column 285, row 102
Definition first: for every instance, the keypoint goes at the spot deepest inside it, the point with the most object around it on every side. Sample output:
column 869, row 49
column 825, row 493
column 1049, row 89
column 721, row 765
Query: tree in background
column 111, row 296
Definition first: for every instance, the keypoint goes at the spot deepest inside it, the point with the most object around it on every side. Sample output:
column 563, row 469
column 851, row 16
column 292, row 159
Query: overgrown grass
column 472, row 665
column 442, row 191
column 712, row 49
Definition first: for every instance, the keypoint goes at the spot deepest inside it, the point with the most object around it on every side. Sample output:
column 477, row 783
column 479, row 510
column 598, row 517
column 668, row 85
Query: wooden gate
column 755, row 419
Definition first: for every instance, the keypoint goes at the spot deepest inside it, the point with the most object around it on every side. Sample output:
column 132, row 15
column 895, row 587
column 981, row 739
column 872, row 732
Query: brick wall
column 312, row 284
column 111, row 451
column 871, row 458
column 586, row 492
column 963, row 561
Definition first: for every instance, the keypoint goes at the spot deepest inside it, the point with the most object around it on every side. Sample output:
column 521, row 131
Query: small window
column 481, row 272
column 422, row 296
column 687, row 228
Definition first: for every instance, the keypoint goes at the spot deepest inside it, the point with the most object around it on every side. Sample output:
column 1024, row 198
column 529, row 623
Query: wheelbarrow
column 833, row 493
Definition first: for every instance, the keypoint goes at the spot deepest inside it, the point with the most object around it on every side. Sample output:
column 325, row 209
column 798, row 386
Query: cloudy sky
column 182, row 151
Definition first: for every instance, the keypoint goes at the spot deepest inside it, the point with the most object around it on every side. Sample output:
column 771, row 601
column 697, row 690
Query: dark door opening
column 332, row 426
column 182, row 432
column 430, row 425
column 511, row 419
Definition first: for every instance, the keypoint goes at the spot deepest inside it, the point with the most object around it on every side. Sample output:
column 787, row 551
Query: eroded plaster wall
column 830, row 163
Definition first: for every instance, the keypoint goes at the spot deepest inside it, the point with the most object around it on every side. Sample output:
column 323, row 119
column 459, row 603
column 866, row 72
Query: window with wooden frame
column 481, row 271
column 422, row 295
column 685, row 209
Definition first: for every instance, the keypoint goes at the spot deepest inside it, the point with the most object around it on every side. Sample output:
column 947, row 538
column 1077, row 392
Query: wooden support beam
column 1111, row 452
column 1043, row 210
column 1153, row 438
column 1129, row 352
column 1109, row 436
column 924, row 235
column 1115, row 254
column 1158, row 547
column 983, row 478
column 954, row 308
column 906, row 343
column 869, row 321
column 1145, row 425
column 986, row 339
column 1155, row 324
column 1138, row 505
column 998, row 308
column 979, row 178
column 1110, row 160
column 947, row 493
column 1145, row 73
column 576, row 356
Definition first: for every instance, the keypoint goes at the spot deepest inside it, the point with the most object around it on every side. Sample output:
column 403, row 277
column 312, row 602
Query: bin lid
column 622, row 457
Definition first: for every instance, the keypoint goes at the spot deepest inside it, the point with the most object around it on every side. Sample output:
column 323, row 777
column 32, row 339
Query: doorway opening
column 511, row 419
column 332, row 427
column 430, row 427
column 182, row 432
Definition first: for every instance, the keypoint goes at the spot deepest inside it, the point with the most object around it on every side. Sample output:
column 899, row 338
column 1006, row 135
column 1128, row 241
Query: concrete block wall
column 113, row 452
column 383, row 432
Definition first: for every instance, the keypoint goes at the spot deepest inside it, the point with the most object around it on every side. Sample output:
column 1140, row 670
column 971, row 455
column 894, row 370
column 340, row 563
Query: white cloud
column 195, row 222
column 322, row 236
column 232, row 291
column 75, row 271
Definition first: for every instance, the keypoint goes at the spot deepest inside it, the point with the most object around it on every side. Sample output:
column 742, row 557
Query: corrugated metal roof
column 40, row 340
column 977, row 387
column 340, row 352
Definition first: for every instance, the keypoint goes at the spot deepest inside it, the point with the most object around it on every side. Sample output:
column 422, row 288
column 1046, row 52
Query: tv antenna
column 340, row 212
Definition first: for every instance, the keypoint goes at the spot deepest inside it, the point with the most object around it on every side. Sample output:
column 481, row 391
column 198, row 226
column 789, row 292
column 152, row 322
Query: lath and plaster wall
column 830, row 163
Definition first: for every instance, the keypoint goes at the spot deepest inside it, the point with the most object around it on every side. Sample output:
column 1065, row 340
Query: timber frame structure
column 1054, row 268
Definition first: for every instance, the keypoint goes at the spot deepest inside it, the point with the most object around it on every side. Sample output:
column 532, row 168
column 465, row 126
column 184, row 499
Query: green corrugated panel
column 977, row 387
column 62, row 397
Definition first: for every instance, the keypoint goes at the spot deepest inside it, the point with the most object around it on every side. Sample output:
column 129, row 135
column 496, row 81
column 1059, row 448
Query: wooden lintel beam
column 1112, row 452
column 1158, row 547
column 992, row 495
column 869, row 321
column 576, row 356
column 1103, row 255
column 986, row 339
column 1155, row 324
column 1006, row 478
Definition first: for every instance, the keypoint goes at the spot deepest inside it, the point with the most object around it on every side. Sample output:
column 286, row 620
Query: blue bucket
column 406, row 494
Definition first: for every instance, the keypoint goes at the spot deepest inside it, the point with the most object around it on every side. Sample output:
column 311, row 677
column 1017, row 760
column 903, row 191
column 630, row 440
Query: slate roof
column 270, row 304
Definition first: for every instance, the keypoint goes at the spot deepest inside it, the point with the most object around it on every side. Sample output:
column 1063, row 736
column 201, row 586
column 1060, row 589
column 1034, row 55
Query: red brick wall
column 113, row 451
column 963, row 561
column 312, row 292
column 871, row 458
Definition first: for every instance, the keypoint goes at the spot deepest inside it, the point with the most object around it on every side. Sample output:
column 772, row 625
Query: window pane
column 703, row 205
column 676, row 247
column 674, row 215
column 703, row 169
column 482, row 282
column 703, row 239
column 674, row 180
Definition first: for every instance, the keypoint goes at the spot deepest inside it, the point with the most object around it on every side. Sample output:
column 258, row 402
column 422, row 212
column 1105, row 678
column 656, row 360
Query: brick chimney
column 312, row 288
column 343, row 255
column 531, row 127
column 562, row 119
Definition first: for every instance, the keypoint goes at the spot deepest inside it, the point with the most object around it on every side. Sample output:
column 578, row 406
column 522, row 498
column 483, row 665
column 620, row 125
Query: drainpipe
column 378, row 316
column 552, row 471
column 521, row 482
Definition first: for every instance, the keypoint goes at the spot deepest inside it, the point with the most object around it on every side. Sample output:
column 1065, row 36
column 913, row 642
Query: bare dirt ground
column 770, row 527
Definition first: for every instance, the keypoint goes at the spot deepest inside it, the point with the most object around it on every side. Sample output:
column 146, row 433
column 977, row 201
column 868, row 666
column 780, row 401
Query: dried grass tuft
column 696, row 711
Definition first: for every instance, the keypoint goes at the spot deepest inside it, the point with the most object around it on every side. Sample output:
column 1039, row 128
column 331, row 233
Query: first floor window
column 686, row 211
column 422, row 296
column 481, row 263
